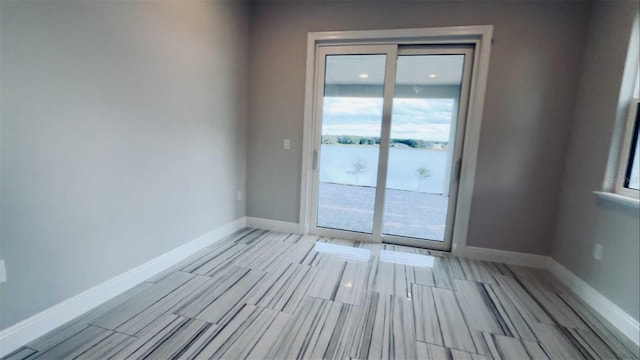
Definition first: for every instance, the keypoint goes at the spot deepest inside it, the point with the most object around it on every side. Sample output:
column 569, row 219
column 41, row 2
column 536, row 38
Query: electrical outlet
column 3, row 272
column 597, row 252
column 286, row 144
column 239, row 195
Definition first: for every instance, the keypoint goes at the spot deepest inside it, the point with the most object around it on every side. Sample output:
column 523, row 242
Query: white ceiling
column 411, row 69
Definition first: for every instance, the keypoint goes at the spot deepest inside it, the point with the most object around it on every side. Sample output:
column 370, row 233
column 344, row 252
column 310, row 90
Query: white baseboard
column 610, row 311
column 273, row 225
column 506, row 257
column 32, row 328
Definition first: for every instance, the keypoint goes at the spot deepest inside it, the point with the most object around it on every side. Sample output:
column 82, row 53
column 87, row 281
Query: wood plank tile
column 302, row 249
column 361, row 343
column 435, row 352
column 229, row 303
column 478, row 309
column 591, row 344
column 461, row 355
column 472, row 270
column 422, row 350
column 268, row 257
column 271, row 334
column 426, row 318
column 237, row 236
column 217, row 260
column 302, row 336
column 204, row 253
column 283, row 289
column 197, row 345
column 234, row 330
column 513, row 320
column 57, row 336
column 162, row 306
column 497, row 269
column 108, row 347
column 135, row 305
column 314, row 257
column 341, row 344
column 251, row 237
column 549, row 300
column 177, row 342
column 151, row 336
column 385, row 277
column 265, row 254
column 455, row 331
column 622, row 346
column 326, row 287
column 76, row 344
column 555, row 343
column 535, row 351
column 393, row 315
column 404, row 277
column 73, row 327
column 503, row 347
column 393, row 279
column 355, row 283
column 20, row 354
column 315, row 331
column 403, row 323
column 197, row 301
column 423, row 276
column 441, row 274
column 526, row 305
column 251, row 336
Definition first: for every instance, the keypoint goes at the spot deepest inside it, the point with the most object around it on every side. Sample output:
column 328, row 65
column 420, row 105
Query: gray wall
column 123, row 137
column 585, row 220
column 535, row 63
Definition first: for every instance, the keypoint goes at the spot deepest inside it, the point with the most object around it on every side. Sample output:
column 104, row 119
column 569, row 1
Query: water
column 337, row 166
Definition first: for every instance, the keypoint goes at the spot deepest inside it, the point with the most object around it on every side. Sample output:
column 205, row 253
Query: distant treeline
column 368, row 140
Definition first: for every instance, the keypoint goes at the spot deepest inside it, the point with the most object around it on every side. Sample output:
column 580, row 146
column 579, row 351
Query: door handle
column 458, row 169
column 315, row 159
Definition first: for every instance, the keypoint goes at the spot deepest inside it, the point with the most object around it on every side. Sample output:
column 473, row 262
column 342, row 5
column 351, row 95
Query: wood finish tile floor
column 260, row 294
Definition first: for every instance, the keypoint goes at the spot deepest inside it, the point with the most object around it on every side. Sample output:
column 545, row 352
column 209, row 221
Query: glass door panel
column 422, row 145
column 348, row 153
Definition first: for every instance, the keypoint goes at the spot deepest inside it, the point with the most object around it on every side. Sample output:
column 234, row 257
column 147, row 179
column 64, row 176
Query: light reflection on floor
column 344, row 252
column 404, row 258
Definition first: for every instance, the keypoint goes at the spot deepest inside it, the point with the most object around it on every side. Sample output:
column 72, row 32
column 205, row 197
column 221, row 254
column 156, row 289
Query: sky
column 425, row 119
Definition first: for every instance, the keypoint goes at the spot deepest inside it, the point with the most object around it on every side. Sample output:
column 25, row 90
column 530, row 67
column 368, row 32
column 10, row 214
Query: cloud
column 426, row 119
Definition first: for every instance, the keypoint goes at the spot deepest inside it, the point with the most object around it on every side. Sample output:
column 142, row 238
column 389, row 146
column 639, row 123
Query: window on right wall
column 631, row 178
column 628, row 179
column 622, row 181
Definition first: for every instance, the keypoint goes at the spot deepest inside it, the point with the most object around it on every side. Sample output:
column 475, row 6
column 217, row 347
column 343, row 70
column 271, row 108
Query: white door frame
column 478, row 36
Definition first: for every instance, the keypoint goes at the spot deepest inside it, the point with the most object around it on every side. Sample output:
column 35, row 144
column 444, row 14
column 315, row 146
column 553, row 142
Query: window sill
column 619, row 199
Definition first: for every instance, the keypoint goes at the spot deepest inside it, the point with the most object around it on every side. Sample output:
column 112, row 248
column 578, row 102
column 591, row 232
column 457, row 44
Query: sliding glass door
column 388, row 144
column 350, row 134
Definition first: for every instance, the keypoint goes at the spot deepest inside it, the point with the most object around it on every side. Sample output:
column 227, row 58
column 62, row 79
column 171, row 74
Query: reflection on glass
column 423, row 122
column 351, row 124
